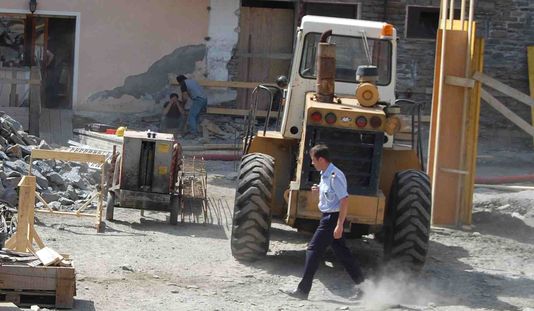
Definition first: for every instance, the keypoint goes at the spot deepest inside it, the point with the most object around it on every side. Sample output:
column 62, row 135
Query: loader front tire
column 252, row 207
column 407, row 222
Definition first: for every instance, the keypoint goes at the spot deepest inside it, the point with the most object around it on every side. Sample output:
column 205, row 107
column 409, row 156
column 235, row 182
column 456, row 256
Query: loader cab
column 350, row 37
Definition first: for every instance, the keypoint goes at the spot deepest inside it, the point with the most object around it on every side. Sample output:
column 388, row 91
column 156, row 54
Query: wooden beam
column 510, row 115
column 19, row 81
column 68, row 156
column 530, row 52
column 239, row 112
column 35, row 102
column 460, row 81
column 503, row 88
column 219, row 84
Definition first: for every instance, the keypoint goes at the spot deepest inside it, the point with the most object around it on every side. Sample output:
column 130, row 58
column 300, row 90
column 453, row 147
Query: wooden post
column 477, row 64
column 35, row 102
column 23, row 239
column 13, row 94
column 530, row 52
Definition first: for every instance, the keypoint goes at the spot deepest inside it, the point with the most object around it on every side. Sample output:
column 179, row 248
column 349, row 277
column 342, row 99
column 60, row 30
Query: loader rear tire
column 252, row 207
column 407, row 222
column 110, row 205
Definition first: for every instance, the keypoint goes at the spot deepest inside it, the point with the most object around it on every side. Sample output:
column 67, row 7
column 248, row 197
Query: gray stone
column 3, row 141
column 26, row 150
column 41, row 180
column 12, row 123
column 39, row 204
column 14, row 151
column 65, row 201
column 10, row 195
column 15, row 138
column 71, row 193
column 56, row 179
column 74, row 178
column 18, row 165
column 55, row 205
column 3, row 156
column 43, row 145
column 127, row 267
column 12, row 182
column 42, row 167
column 29, row 139
column 50, row 196
column 11, row 173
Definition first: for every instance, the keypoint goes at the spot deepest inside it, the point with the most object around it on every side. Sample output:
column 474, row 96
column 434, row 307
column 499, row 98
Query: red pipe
column 503, row 179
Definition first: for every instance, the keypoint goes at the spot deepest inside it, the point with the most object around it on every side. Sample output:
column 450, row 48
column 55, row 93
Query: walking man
column 192, row 90
column 333, row 204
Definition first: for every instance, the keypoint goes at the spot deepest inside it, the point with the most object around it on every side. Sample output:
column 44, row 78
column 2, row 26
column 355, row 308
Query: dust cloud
column 397, row 288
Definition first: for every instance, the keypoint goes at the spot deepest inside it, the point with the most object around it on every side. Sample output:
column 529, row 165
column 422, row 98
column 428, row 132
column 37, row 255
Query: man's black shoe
column 295, row 293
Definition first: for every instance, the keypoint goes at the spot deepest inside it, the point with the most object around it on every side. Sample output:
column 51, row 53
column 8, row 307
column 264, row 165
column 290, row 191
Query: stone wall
column 506, row 26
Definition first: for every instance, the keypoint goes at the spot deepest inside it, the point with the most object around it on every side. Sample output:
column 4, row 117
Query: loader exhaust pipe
column 326, row 68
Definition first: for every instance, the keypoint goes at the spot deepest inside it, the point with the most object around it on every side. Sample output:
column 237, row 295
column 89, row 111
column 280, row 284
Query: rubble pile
column 64, row 185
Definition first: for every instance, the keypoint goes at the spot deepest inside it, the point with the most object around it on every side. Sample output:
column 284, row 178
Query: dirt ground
column 146, row 264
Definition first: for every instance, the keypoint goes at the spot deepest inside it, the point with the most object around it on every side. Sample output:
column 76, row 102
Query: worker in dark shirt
column 173, row 116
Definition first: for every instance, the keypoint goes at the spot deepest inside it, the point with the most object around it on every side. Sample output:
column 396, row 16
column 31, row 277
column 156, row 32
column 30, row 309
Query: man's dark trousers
column 322, row 238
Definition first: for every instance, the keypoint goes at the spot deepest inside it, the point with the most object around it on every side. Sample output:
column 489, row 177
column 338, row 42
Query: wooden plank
column 48, row 256
column 19, row 81
column 66, row 213
column 65, row 288
column 472, row 133
column 13, row 94
column 219, row 84
column 460, row 81
column 66, row 125
column 44, row 125
column 55, row 127
column 281, row 56
column 510, row 115
column 237, row 112
column 26, row 202
column 445, row 145
column 503, row 88
column 68, row 156
column 530, row 55
column 35, row 103
column 28, row 278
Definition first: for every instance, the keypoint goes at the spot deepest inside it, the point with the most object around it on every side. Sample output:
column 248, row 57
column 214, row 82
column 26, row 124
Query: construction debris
column 63, row 185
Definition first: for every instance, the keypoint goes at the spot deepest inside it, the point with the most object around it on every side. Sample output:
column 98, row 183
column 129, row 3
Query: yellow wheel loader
column 340, row 93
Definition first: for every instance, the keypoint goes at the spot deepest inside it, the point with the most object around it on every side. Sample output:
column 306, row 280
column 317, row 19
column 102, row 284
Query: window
column 422, row 22
column 331, row 10
column 350, row 53
column 267, row 4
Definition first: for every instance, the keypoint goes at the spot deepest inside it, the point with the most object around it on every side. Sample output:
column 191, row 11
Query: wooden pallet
column 43, row 286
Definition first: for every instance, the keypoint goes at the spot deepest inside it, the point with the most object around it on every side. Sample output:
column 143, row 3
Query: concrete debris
column 65, row 201
column 14, row 151
column 61, row 184
column 50, row 196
